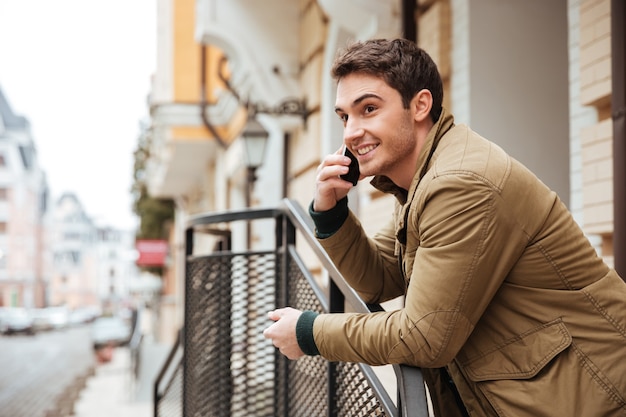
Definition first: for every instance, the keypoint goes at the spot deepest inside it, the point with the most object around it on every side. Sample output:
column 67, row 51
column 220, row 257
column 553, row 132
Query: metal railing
column 135, row 344
column 223, row 366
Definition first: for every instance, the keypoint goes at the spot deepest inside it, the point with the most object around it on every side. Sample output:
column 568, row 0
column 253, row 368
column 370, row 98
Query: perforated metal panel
column 307, row 387
column 229, row 364
column 232, row 370
column 351, row 396
column 355, row 398
column 171, row 403
column 208, row 385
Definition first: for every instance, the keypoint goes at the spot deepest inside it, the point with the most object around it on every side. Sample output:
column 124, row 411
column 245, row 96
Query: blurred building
column 54, row 256
column 72, row 245
column 89, row 265
column 533, row 76
column 117, row 276
column 23, row 196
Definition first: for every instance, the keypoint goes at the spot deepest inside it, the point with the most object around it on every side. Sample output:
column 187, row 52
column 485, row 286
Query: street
column 34, row 370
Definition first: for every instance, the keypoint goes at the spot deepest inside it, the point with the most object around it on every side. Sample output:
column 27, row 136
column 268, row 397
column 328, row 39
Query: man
column 501, row 287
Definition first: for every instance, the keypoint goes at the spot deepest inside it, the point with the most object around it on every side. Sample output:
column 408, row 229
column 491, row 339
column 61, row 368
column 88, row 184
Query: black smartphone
column 353, row 171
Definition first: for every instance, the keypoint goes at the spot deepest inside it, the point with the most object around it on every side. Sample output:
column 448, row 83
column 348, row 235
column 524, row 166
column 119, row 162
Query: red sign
column 151, row 252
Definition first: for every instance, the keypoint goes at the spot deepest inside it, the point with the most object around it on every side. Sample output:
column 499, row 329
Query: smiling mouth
column 366, row 149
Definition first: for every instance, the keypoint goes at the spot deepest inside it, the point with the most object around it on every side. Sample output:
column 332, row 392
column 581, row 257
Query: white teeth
column 365, row 150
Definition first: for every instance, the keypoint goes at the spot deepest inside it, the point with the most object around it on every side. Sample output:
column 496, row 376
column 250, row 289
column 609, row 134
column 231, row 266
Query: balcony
column 222, row 365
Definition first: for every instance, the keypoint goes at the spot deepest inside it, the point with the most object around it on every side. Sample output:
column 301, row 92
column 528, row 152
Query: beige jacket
column 500, row 284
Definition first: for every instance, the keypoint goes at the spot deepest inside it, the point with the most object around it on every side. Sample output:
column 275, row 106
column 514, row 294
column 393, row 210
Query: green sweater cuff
column 304, row 333
column 328, row 222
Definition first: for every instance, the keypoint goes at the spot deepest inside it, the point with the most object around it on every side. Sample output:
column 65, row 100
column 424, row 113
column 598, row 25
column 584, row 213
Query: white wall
column 518, row 82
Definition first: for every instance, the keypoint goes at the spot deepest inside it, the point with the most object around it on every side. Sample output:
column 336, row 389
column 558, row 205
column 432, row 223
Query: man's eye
column 343, row 117
column 369, row 109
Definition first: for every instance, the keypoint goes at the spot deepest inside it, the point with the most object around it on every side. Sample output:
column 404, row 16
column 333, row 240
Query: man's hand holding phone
column 353, row 170
column 336, row 175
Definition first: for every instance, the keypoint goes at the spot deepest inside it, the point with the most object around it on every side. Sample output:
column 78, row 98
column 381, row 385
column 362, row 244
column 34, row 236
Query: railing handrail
column 233, row 215
column 135, row 343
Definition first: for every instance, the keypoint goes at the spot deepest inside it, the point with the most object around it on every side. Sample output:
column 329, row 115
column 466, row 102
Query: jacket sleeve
column 369, row 265
column 467, row 246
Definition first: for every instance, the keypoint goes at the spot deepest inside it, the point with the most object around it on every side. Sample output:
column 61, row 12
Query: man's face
column 377, row 128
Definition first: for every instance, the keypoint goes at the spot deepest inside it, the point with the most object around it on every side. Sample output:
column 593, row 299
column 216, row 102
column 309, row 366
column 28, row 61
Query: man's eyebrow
column 358, row 100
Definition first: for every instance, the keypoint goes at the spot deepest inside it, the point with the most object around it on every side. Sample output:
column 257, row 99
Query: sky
column 79, row 71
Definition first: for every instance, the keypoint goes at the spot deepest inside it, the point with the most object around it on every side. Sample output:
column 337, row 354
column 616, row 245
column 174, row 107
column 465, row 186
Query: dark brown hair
column 401, row 63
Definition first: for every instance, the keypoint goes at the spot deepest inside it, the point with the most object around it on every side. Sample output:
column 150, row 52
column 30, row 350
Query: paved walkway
column 112, row 391
column 44, row 372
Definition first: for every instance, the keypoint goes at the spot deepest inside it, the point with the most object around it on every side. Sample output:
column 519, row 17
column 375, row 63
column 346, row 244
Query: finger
column 267, row 333
column 331, row 172
column 275, row 314
column 334, row 159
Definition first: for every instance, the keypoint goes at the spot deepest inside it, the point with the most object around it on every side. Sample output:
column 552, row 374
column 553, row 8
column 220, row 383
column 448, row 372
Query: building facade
column 532, row 76
column 23, row 201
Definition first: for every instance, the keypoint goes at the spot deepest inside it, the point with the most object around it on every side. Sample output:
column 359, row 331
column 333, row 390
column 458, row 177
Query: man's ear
column 421, row 104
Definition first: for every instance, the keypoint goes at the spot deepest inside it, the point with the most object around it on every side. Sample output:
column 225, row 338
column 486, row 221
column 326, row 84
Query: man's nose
column 352, row 130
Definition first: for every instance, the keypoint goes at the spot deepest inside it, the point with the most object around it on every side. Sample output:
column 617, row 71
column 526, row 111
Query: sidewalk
column 112, row 391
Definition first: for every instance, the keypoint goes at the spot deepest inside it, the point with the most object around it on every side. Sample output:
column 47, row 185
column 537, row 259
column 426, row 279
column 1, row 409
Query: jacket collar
column 384, row 184
column 405, row 197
